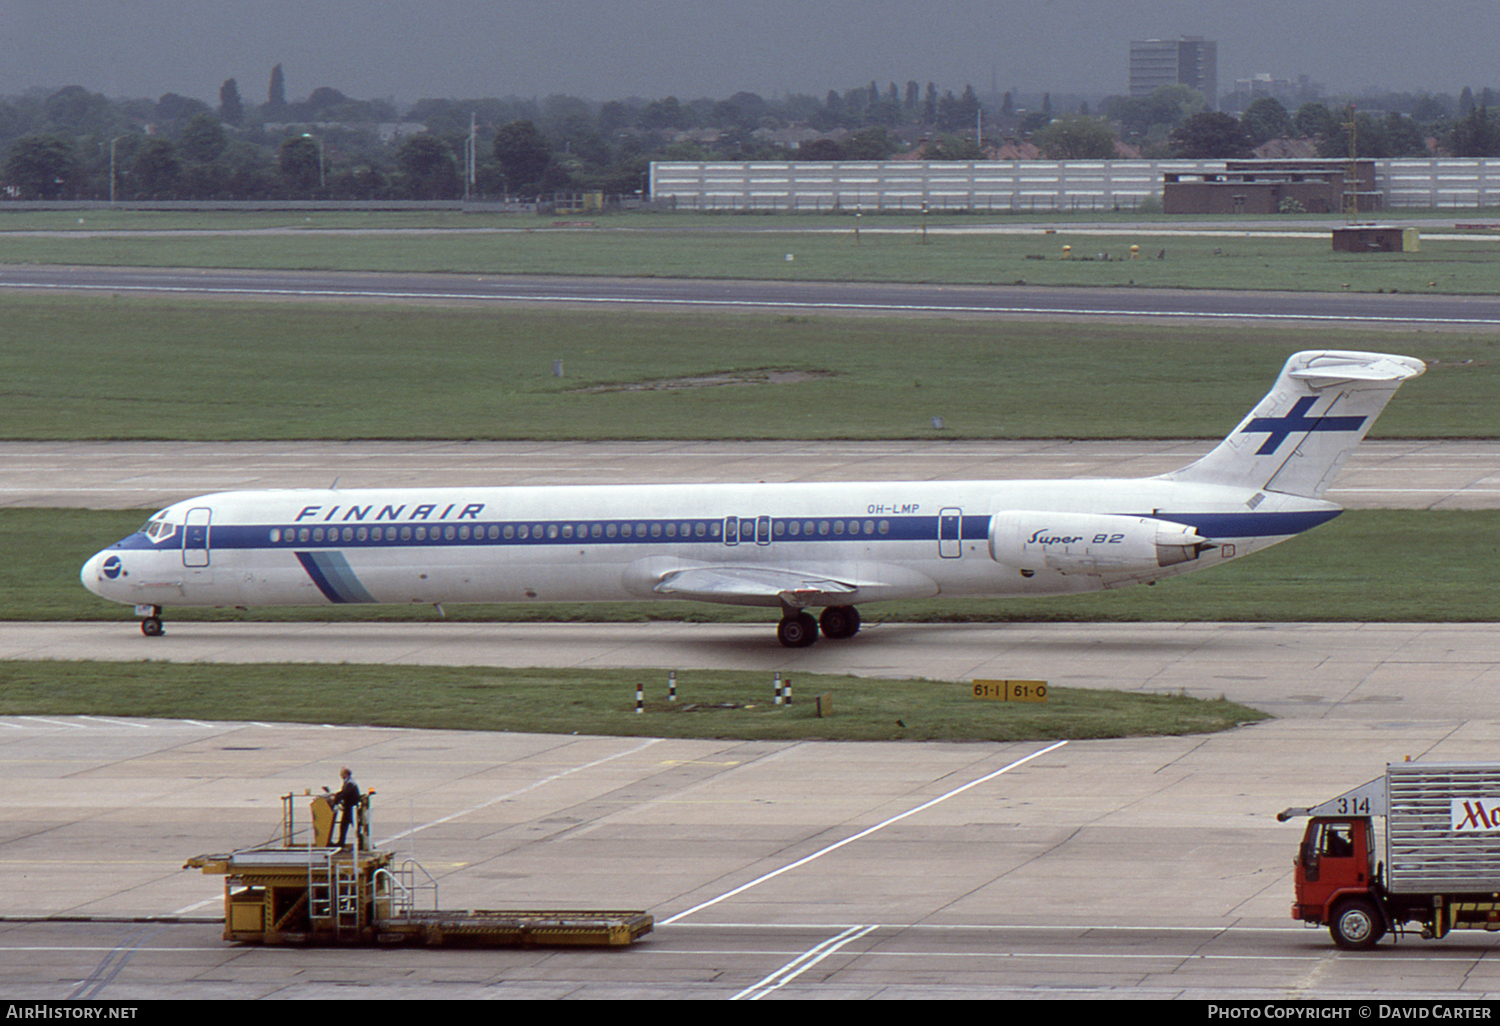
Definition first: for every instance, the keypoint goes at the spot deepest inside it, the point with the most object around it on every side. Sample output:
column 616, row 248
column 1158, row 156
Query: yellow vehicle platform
column 311, row 893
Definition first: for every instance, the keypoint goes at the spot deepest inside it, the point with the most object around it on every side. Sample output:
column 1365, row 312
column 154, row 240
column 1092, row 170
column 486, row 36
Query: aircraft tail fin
column 1298, row 436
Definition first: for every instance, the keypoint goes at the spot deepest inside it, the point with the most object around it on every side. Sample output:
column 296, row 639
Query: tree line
column 76, row 144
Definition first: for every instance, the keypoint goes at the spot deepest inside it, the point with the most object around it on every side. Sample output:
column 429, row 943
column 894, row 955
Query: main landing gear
column 798, row 629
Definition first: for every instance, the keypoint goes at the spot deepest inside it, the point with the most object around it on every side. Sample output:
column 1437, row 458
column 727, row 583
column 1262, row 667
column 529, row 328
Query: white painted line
column 54, row 723
column 863, row 833
column 799, row 965
column 106, row 721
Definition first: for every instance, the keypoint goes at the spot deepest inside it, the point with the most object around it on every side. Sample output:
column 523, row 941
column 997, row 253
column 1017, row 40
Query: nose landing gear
column 151, row 625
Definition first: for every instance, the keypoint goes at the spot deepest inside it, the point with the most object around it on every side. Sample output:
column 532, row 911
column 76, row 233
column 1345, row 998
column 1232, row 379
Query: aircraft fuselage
column 613, row 543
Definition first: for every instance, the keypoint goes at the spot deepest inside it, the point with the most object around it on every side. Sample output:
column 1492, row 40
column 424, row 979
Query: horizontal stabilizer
column 1370, row 367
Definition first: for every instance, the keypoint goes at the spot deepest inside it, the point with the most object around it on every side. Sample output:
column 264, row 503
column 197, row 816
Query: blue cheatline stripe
column 333, row 575
column 331, row 566
column 1249, row 525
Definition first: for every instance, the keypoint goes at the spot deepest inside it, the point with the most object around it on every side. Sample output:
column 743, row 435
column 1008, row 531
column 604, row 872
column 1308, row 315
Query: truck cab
column 1337, row 880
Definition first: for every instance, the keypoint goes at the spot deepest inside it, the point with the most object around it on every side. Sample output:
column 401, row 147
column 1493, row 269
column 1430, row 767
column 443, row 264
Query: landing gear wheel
column 151, row 627
column 797, row 631
column 1356, row 925
column 839, row 622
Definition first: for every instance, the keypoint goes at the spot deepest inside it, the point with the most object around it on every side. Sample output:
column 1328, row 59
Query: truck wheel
column 1356, row 925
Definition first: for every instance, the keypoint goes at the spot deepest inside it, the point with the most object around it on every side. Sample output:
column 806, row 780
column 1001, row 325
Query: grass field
column 182, row 369
column 721, row 704
column 1432, row 567
column 187, row 369
column 886, row 249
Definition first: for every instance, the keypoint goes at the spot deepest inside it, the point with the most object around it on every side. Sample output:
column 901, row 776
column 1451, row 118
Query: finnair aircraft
column 794, row 547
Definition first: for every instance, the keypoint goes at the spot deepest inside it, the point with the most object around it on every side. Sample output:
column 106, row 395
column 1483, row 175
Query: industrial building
column 1270, row 187
column 1033, row 186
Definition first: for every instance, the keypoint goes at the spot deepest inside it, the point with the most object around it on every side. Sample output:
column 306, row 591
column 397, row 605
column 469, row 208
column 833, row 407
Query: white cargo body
column 1442, row 827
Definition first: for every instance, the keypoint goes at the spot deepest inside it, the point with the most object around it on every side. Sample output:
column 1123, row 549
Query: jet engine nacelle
column 1089, row 543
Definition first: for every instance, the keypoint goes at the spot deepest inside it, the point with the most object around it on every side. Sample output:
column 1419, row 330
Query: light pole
column 112, row 168
column 321, row 178
column 470, row 145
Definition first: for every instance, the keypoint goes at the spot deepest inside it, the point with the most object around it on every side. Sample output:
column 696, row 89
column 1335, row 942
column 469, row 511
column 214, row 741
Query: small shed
column 1375, row 238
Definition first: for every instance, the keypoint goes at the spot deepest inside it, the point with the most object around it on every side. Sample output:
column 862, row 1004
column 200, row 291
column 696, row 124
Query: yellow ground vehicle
column 311, row 893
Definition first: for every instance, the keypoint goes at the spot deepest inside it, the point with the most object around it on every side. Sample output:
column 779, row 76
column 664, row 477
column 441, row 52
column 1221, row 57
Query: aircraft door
column 756, row 530
column 195, row 537
column 950, row 533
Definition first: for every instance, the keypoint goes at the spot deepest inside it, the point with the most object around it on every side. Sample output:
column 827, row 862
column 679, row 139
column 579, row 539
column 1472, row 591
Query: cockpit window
column 158, row 528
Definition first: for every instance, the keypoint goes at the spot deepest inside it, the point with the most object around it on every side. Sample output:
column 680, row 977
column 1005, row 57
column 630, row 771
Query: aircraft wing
column 755, row 586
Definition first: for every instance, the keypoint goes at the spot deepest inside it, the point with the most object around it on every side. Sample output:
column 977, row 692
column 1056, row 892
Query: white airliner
column 787, row 546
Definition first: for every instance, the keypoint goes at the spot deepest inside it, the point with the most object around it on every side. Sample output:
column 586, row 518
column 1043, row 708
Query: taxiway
column 1147, row 867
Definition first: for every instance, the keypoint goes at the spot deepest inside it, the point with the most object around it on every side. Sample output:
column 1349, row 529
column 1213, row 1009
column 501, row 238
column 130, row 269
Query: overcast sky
column 609, row 49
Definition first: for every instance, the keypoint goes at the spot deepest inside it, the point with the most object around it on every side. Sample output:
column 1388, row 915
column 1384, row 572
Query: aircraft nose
column 100, row 568
column 88, row 574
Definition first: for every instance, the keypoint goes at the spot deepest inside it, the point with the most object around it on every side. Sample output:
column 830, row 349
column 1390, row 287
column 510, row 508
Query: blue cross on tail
column 1278, row 428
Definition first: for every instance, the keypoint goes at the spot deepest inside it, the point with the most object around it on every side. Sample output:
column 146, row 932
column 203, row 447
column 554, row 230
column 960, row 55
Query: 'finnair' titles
column 795, row 547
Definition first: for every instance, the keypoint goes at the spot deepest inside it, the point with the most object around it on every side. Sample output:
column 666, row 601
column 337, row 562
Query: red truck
column 1441, row 848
